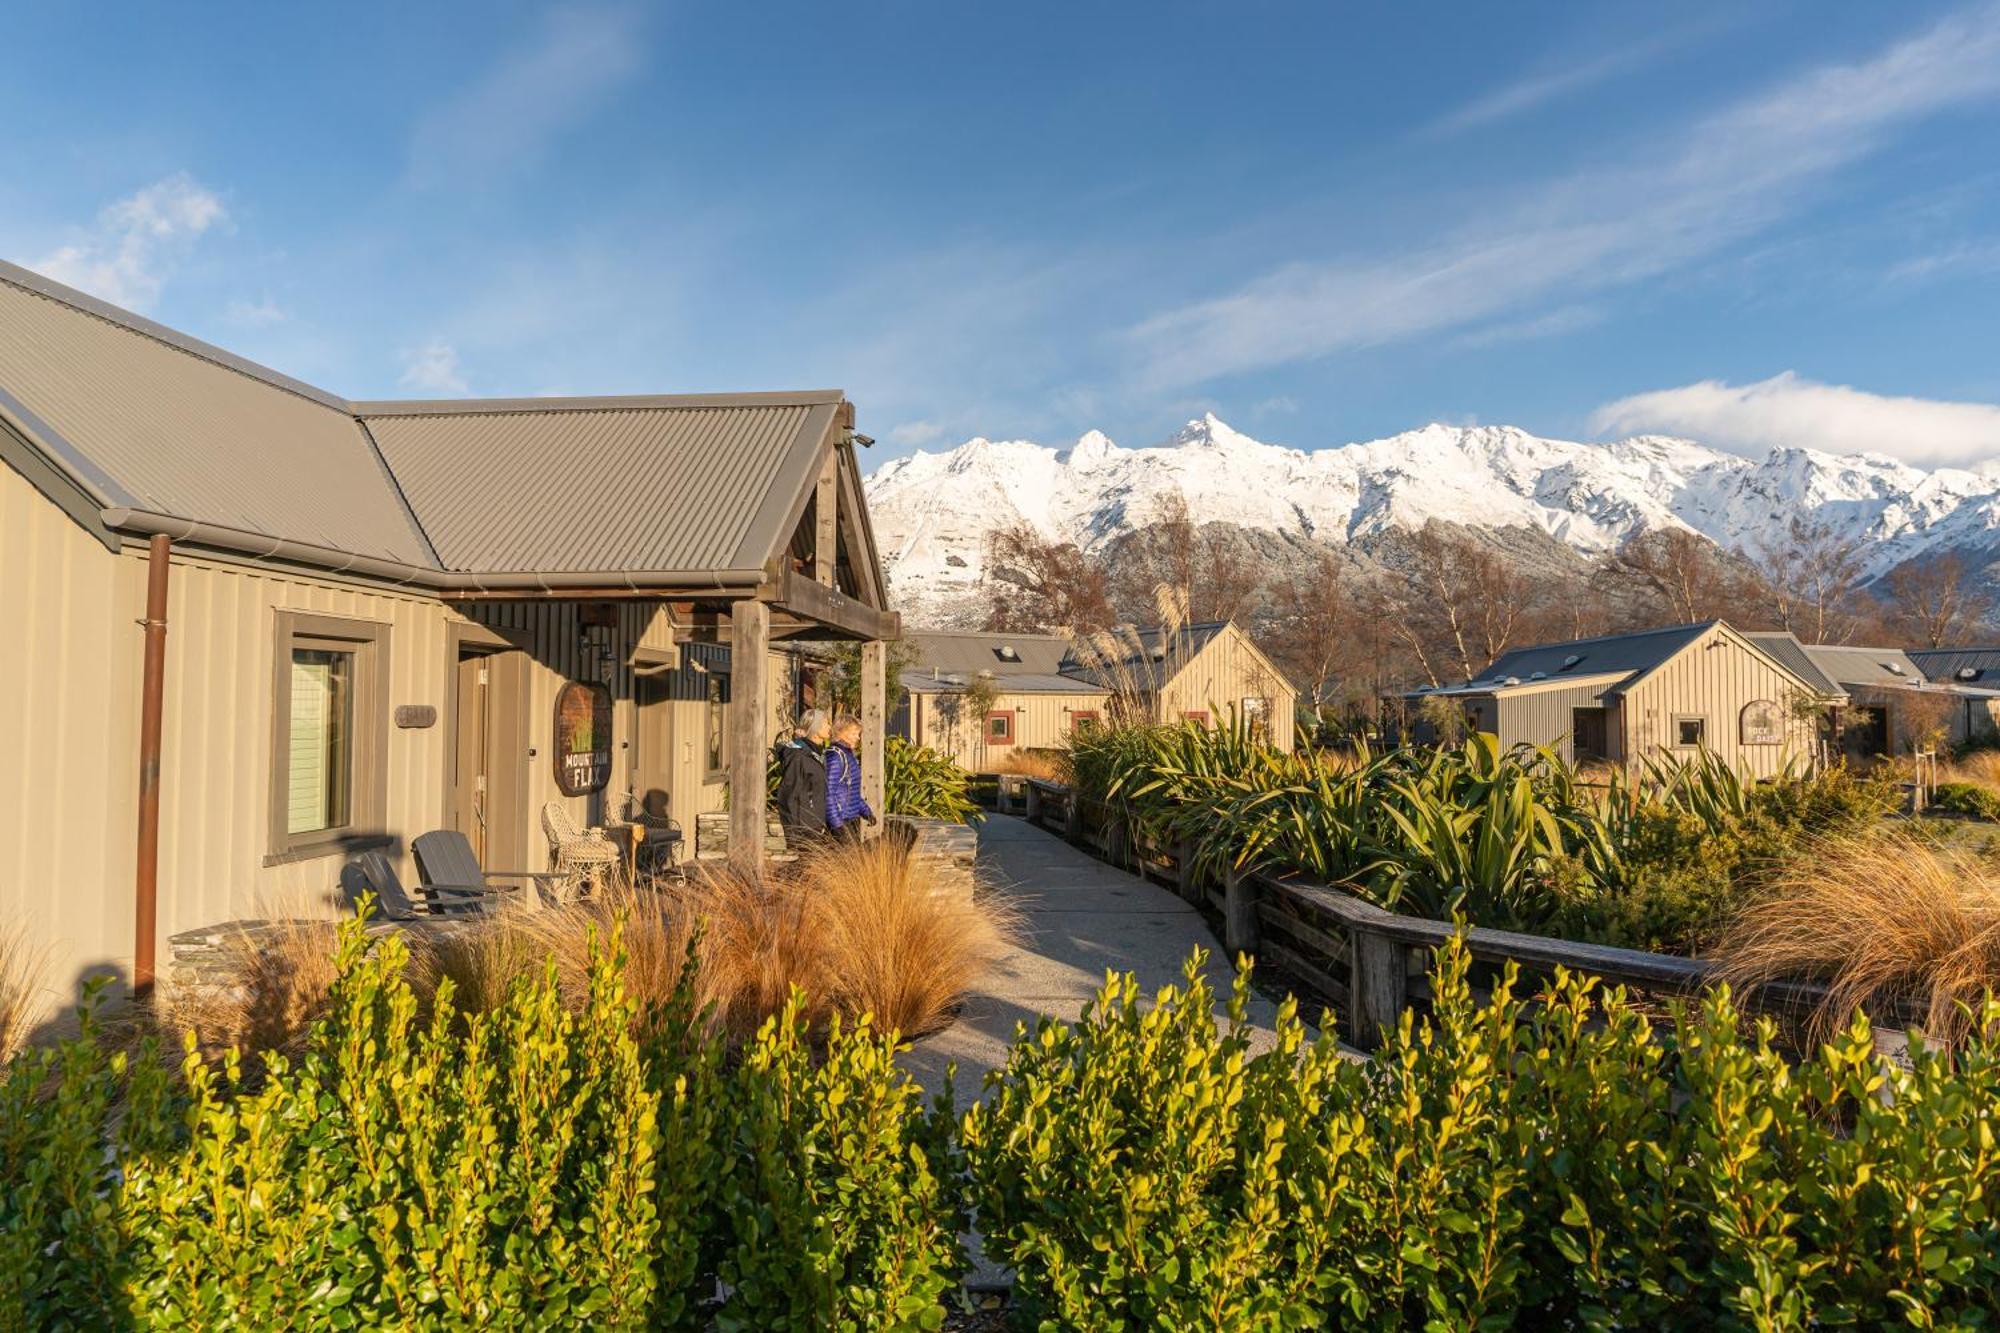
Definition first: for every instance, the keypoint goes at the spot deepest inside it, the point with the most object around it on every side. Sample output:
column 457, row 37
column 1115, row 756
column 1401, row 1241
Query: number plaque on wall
column 583, row 738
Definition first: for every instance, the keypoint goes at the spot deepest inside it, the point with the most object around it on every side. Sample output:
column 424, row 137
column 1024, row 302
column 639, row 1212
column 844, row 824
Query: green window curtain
column 321, row 739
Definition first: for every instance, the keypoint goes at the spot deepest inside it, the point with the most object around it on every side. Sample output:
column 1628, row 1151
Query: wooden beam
column 800, row 596
column 749, row 732
column 874, row 718
column 826, row 519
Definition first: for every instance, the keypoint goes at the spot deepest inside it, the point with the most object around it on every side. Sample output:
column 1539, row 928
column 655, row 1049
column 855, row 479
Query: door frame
column 509, row 821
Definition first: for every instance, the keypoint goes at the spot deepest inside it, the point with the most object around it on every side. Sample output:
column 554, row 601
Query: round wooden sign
column 583, row 738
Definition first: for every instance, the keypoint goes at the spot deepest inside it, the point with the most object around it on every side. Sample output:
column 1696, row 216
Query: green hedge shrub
column 1564, row 1166
column 1561, row 1164
column 1967, row 798
column 841, row 1194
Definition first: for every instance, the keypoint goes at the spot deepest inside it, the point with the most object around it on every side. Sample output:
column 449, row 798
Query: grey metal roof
column 1032, row 682
column 955, row 651
column 1853, row 666
column 1153, row 656
column 1795, row 657
column 1636, row 652
column 147, row 424
column 1969, row 666
column 575, row 485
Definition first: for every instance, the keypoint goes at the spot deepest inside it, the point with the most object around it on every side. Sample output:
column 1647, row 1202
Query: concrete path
column 1081, row 919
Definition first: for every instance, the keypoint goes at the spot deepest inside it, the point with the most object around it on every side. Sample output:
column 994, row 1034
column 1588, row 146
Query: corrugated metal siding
column 194, row 439
column 216, row 760
column 1546, row 717
column 69, row 697
column 1041, row 721
column 1220, row 676
column 1715, row 683
column 588, row 490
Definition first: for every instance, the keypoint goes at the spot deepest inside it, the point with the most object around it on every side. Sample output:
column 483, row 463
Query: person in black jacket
column 802, row 780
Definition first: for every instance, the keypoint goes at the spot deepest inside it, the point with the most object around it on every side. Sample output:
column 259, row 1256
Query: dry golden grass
column 855, row 927
column 890, row 945
column 286, row 973
column 1979, row 767
column 1044, row 764
column 23, row 999
column 1887, row 918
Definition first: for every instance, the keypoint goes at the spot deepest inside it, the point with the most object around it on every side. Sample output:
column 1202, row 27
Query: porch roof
column 134, row 428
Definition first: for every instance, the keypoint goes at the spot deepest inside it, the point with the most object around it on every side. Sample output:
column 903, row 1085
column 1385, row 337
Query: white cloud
column 507, row 119
column 1786, row 411
column 433, row 369
column 255, row 314
column 128, row 254
column 1967, row 257
column 1554, row 324
column 1726, row 178
column 1526, row 94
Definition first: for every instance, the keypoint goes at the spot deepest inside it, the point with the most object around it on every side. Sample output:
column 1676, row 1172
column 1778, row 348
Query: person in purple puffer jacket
column 846, row 811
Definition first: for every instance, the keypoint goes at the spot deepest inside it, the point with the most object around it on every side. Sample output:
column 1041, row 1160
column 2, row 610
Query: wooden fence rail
column 1369, row 963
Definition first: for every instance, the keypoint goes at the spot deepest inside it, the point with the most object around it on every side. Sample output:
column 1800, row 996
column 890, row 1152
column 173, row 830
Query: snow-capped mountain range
column 933, row 511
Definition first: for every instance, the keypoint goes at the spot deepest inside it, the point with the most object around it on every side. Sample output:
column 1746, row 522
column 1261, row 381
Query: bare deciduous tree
column 1683, row 570
column 1933, row 602
column 1456, row 607
column 1810, row 576
column 1217, row 580
column 1038, row 585
column 1312, row 635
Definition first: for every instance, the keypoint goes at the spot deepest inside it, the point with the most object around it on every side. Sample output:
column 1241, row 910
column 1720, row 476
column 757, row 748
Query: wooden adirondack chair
column 445, row 859
column 376, row 873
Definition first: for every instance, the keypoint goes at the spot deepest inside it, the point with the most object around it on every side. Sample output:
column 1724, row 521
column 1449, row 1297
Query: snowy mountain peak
column 934, row 511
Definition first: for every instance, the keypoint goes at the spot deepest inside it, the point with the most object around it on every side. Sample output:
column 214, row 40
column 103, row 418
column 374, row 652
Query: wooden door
column 471, row 782
column 653, row 741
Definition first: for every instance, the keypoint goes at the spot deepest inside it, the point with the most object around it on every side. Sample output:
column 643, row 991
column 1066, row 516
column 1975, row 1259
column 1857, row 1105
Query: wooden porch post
column 749, row 732
column 874, row 718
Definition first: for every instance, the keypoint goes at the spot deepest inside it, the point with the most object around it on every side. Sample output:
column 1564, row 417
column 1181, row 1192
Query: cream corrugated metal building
column 1666, row 693
column 1043, row 688
column 370, row 612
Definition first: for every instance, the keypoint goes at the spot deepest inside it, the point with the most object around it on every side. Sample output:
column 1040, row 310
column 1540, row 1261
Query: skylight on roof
column 1007, row 652
column 1894, row 668
column 1570, row 661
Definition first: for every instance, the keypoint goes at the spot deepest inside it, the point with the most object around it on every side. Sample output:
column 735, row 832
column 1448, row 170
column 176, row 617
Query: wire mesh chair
column 585, row 860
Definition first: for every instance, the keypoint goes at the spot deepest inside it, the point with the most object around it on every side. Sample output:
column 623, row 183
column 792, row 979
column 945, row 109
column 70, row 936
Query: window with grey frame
column 328, row 735
column 1690, row 733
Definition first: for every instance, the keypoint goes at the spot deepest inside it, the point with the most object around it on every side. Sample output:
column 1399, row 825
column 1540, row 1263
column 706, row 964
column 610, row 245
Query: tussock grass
column 1887, row 918
column 286, row 975
column 857, row 928
column 1044, row 764
column 23, row 998
column 892, row 946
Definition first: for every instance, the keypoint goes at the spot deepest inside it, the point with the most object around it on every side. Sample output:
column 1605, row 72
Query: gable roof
column 1953, row 664
column 1033, row 682
column 1796, row 657
column 1620, row 661
column 952, row 652
column 1861, row 666
column 1153, row 656
column 692, row 483
column 1609, row 654
column 154, row 431
column 146, row 420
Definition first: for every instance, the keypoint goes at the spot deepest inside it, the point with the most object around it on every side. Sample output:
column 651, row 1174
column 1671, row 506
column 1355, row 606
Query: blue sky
column 1770, row 224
